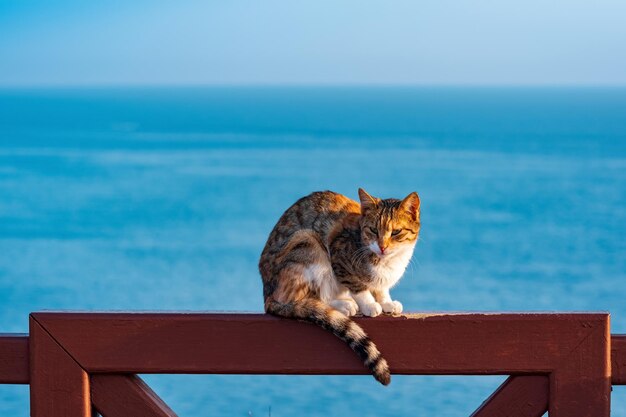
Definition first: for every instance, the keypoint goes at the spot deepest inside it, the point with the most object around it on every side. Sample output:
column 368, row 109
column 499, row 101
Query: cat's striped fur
column 329, row 257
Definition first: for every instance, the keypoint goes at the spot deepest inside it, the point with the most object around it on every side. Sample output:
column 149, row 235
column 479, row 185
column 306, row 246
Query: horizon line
column 112, row 85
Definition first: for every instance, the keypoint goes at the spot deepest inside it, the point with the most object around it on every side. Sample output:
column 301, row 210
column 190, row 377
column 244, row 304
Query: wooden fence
column 77, row 363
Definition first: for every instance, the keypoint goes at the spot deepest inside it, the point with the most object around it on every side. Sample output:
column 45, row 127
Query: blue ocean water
column 136, row 199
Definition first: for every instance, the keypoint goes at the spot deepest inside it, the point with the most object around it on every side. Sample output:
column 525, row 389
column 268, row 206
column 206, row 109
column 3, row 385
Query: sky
column 140, row 42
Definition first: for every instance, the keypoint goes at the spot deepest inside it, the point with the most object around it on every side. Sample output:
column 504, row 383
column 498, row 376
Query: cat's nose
column 382, row 249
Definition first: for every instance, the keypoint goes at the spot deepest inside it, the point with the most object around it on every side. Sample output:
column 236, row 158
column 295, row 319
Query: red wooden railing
column 77, row 363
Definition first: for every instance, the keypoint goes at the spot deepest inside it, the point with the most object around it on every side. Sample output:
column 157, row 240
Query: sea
column 161, row 198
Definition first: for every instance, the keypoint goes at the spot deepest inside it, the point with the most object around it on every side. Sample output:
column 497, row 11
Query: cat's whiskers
column 358, row 255
column 412, row 267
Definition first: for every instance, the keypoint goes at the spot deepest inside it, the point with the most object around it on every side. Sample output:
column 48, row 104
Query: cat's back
column 327, row 203
column 318, row 210
column 321, row 212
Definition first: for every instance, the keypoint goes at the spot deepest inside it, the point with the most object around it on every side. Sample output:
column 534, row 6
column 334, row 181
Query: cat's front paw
column 393, row 307
column 347, row 307
column 371, row 310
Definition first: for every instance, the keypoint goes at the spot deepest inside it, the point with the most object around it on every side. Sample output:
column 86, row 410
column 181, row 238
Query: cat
column 329, row 257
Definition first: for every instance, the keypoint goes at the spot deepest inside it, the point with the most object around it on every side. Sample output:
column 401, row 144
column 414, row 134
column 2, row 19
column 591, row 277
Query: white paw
column 393, row 307
column 371, row 310
column 347, row 307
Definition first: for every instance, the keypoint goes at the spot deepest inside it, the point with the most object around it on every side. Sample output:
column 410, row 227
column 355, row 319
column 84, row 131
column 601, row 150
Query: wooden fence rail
column 77, row 363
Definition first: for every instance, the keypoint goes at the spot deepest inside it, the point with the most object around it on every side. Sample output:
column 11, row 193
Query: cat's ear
column 367, row 201
column 411, row 203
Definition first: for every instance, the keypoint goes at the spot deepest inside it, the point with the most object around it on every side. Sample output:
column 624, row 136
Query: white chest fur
column 391, row 267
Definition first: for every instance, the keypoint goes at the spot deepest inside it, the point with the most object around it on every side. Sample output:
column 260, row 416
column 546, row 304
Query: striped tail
column 315, row 311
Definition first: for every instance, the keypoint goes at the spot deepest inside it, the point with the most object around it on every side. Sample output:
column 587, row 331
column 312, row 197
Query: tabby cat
column 329, row 257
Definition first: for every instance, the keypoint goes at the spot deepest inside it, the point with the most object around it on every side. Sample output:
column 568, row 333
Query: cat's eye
column 374, row 230
column 396, row 232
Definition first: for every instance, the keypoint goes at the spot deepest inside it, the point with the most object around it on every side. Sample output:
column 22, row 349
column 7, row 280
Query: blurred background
column 138, row 140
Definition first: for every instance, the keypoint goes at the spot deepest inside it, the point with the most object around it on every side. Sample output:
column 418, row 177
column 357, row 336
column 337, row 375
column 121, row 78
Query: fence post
column 59, row 387
column 581, row 385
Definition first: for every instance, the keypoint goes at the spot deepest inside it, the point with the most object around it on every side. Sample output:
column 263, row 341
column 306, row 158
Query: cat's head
column 389, row 226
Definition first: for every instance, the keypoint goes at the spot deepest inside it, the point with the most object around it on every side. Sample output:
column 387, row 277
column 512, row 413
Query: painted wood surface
column 470, row 344
column 126, row 395
column 518, row 396
column 564, row 358
column 14, row 359
column 618, row 359
column 14, row 363
column 59, row 387
column 581, row 384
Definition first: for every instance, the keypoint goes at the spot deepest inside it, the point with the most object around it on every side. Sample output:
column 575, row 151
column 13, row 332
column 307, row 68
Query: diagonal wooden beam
column 118, row 395
column 59, row 387
column 518, row 396
column 14, row 367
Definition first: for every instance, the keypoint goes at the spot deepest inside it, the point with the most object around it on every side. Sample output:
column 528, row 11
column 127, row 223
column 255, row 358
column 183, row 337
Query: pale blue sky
column 69, row 42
